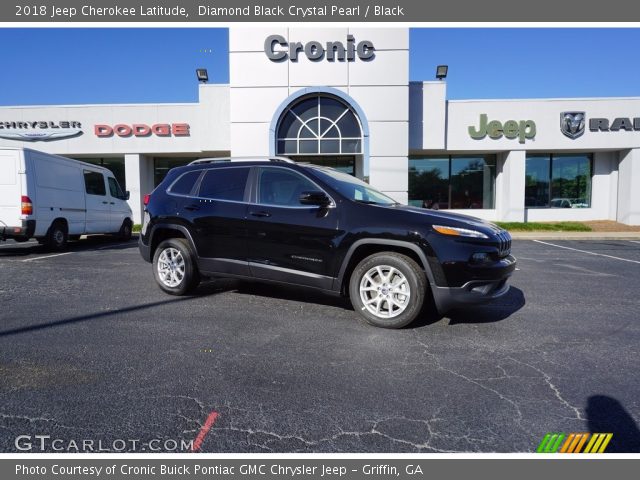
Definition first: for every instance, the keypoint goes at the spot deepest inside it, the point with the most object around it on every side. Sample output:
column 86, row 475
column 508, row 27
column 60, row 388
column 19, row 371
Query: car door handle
column 192, row 208
column 104, row 203
column 260, row 214
column 112, row 203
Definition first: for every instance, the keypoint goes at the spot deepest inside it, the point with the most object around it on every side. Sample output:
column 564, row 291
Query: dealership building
column 342, row 97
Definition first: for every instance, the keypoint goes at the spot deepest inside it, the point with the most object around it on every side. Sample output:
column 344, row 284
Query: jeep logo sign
column 278, row 49
column 522, row 130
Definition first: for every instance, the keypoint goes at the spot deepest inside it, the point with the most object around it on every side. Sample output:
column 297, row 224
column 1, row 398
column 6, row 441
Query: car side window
column 185, row 183
column 280, row 187
column 94, row 183
column 114, row 189
column 224, row 183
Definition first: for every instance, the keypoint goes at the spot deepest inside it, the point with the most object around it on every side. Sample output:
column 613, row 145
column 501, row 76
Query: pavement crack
column 547, row 379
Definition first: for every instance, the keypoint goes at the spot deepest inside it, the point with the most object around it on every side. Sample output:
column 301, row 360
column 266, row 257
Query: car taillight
column 26, row 205
column 147, row 197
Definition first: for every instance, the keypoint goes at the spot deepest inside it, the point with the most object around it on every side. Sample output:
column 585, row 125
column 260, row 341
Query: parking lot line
column 114, row 245
column 634, row 241
column 47, row 256
column 588, row 252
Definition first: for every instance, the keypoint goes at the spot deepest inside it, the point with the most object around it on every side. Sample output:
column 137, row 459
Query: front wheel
column 174, row 267
column 388, row 289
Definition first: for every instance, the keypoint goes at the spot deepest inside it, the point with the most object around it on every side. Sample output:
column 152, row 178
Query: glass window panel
column 311, row 131
column 289, row 126
column 185, row 183
column 306, row 109
column 571, row 181
column 224, row 184
column 308, row 146
column 331, row 108
column 94, row 183
column 351, row 146
column 349, row 126
column 282, row 187
column 472, row 182
column 287, row 146
column 329, row 146
column 429, row 182
column 537, row 171
column 327, row 129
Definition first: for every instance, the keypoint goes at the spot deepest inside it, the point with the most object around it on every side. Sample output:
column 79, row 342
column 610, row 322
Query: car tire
column 125, row 231
column 388, row 289
column 57, row 236
column 174, row 267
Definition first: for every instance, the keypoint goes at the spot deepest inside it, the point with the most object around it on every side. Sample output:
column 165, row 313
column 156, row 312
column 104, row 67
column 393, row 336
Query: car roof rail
column 242, row 159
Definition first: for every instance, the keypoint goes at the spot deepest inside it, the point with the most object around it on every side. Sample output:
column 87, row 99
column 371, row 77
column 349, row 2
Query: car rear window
column 224, row 183
column 184, row 184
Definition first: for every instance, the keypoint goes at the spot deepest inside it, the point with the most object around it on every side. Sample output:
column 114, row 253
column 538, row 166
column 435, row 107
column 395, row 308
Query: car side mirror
column 127, row 195
column 315, row 197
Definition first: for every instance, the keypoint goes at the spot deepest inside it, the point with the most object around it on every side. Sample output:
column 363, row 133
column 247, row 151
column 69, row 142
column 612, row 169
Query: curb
column 575, row 235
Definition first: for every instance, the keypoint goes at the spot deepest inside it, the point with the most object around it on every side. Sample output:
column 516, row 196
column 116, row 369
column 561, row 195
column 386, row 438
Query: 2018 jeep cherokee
column 279, row 221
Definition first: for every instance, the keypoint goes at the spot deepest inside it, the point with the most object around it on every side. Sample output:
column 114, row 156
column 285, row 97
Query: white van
column 54, row 199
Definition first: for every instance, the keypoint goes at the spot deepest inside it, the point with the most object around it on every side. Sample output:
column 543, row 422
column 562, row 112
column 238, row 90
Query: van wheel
column 125, row 230
column 56, row 238
column 388, row 289
column 174, row 267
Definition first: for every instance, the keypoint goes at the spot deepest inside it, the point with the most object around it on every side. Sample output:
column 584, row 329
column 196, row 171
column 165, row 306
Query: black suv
column 293, row 223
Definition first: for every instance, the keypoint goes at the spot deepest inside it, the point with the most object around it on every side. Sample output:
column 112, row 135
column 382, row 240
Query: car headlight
column 458, row 232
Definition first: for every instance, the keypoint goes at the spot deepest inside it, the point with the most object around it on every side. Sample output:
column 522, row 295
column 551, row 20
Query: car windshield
column 353, row 188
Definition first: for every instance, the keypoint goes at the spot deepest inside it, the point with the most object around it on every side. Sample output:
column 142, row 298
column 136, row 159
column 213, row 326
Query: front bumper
column 476, row 292
column 24, row 231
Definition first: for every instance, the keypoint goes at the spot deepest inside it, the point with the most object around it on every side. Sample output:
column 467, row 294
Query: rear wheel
column 174, row 267
column 388, row 289
column 125, row 230
column 57, row 236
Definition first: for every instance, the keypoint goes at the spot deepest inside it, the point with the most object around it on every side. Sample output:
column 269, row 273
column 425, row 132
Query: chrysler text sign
column 40, row 130
column 278, row 49
column 142, row 130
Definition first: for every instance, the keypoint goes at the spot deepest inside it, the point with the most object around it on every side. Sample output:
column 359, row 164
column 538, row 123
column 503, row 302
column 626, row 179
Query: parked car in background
column 298, row 224
column 53, row 199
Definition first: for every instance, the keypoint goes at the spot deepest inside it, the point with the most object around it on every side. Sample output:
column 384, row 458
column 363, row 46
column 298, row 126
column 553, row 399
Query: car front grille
column 504, row 243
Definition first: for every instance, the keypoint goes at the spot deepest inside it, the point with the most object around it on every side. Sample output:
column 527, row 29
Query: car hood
column 451, row 219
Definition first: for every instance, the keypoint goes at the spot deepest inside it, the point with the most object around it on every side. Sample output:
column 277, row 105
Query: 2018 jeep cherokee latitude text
column 278, row 221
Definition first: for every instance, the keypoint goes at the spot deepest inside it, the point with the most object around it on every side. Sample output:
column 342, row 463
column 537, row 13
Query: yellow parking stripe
column 606, row 442
column 594, row 437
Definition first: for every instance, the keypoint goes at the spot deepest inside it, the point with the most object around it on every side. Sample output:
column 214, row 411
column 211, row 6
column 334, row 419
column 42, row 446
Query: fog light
column 480, row 258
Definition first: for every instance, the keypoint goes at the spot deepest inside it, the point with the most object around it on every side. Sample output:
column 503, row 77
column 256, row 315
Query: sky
column 148, row 65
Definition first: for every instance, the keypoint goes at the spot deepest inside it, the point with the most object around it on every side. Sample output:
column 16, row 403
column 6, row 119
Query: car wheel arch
column 367, row 246
column 164, row 231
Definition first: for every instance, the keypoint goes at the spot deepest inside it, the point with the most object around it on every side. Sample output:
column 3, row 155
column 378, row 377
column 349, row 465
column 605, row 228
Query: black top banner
column 409, row 11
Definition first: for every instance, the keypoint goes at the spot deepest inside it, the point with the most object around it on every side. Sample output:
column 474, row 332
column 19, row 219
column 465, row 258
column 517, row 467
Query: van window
column 224, row 183
column 94, row 183
column 184, row 184
column 114, row 189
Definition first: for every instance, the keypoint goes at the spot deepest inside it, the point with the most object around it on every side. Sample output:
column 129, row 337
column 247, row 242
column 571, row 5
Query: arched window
column 319, row 125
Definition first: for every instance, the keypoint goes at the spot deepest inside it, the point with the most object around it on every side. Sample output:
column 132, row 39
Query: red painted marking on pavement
column 211, row 419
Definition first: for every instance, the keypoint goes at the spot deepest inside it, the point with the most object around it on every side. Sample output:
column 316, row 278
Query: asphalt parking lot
column 92, row 350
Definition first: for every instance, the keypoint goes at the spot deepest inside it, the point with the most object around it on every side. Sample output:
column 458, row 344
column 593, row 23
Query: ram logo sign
column 572, row 124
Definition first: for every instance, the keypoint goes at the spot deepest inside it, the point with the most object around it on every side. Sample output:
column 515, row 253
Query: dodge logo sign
column 572, row 124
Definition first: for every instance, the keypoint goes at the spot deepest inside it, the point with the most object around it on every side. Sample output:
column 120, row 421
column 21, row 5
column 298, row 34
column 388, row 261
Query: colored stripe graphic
column 550, row 443
column 573, row 442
